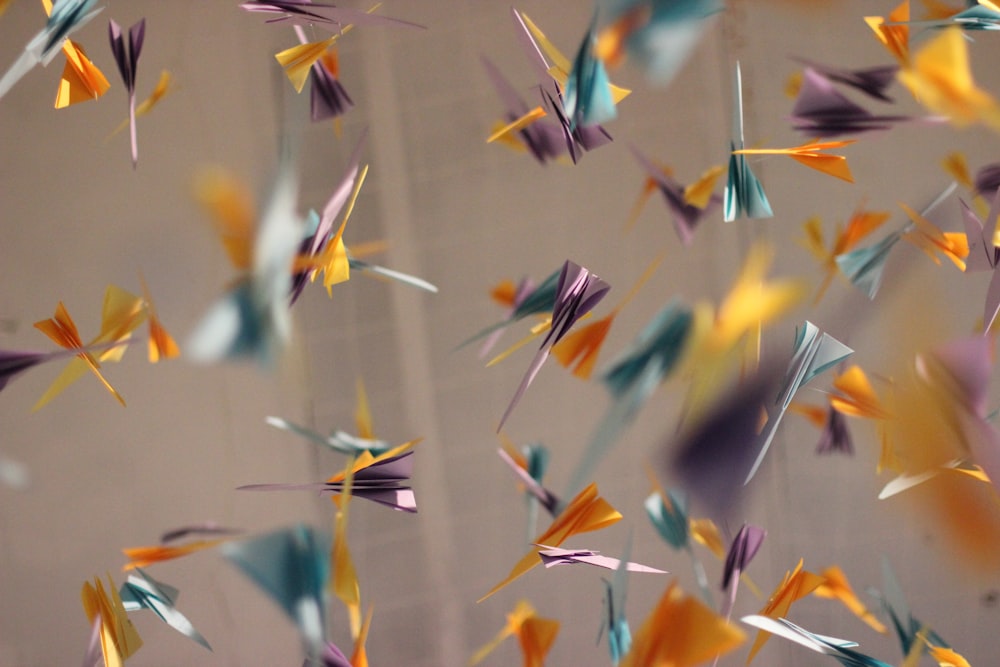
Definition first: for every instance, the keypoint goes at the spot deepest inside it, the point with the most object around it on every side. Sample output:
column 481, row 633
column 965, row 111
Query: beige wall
column 75, row 217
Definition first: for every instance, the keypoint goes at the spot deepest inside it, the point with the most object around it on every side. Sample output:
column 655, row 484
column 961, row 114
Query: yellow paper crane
column 939, row 77
column 796, row 585
column 119, row 639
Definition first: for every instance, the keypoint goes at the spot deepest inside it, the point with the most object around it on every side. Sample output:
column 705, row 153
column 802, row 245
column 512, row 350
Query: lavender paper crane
column 822, row 111
column 578, row 292
column 306, row 12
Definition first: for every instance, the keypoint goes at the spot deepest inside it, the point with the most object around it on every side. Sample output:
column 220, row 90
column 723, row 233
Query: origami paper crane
column 632, row 378
column 252, row 319
column 163, row 87
column 864, row 266
column 797, row 584
column 321, row 247
column 742, row 550
column 871, row 81
column 940, row 79
column 121, row 314
column 127, row 57
column 906, row 481
column 835, row 436
column 15, row 362
column 717, row 333
column 585, row 513
column 529, row 469
column 81, row 79
column 681, row 632
column 168, row 548
column 522, row 126
column 810, row 154
column 539, row 300
column 926, row 236
column 577, row 292
column 893, row 32
column 988, row 179
column 687, row 205
column 331, row 656
column 840, row 649
column 106, row 613
column 984, row 254
column 813, row 353
column 712, row 454
column 161, row 343
column 668, row 512
column 582, row 346
column 292, row 566
column 576, row 136
column 657, row 34
column 822, row 111
column 536, row 635
column 614, row 621
column 327, row 96
column 381, row 479
column 552, row 556
column 306, row 12
column 65, row 17
column 298, row 61
column 982, row 16
column 744, row 195
column 588, row 98
column 908, row 629
column 345, row 578
column 845, row 239
column 141, row 591
column 836, row 587
column 338, row 440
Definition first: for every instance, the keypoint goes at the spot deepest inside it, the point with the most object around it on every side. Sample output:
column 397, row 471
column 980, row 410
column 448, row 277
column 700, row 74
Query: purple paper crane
column 578, row 292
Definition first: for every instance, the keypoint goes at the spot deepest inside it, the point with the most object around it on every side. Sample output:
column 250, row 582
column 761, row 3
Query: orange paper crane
column 836, row 587
column 856, row 396
column 144, row 556
column 535, row 634
column 586, row 512
column 810, row 154
column 81, row 79
column 796, row 585
column 122, row 312
column 681, row 632
column 845, row 239
column 161, row 343
column 940, row 78
column 926, row 236
column 893, row 32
